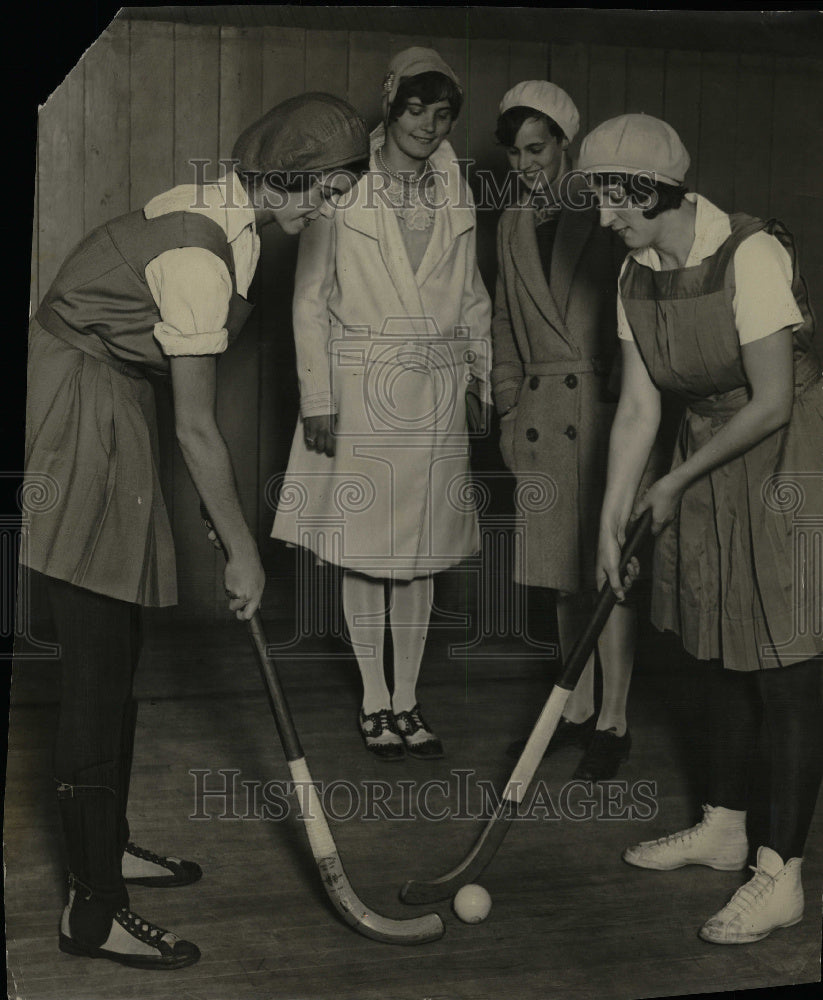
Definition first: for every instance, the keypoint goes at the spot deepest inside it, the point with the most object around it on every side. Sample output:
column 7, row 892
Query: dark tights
column 786, row 702
column 99, row 641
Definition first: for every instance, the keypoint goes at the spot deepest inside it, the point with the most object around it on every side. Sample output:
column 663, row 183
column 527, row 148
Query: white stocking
column 411, row 603
column 364, row 605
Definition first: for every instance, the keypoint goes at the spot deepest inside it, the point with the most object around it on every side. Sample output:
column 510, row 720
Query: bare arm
column 194, row 384
column 632, row 436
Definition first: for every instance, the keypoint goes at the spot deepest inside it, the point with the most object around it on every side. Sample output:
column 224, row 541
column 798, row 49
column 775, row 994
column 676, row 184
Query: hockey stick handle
column 606, row 601
column 274, row 690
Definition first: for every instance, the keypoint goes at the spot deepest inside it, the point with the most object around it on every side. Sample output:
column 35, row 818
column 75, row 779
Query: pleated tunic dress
column 729, row 576
column 95, row 510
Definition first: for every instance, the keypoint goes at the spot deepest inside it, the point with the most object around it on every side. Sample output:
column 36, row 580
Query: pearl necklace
column 416, row 214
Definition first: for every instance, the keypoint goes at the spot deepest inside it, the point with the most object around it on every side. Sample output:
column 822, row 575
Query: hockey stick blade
column 407, row 931
column 493, row 834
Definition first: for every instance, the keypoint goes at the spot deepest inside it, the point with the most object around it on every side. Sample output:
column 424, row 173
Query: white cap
column 547, row 98
column 632, row 144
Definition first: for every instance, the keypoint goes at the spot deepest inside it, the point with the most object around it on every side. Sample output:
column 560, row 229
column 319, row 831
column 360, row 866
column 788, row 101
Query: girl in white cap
column 158, row 291
column 713, row 308
column 391, row 324
column 554, row 344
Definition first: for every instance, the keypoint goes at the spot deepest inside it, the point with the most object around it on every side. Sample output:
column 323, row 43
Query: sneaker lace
column 683, row 836
column 747, row 895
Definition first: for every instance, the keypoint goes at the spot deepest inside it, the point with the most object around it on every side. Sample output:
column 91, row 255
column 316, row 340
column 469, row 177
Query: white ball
column 472, row 904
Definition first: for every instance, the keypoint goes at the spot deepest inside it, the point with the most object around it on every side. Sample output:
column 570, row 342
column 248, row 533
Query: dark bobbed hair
column 641, row 187
column 430, row 88
column 511, row 121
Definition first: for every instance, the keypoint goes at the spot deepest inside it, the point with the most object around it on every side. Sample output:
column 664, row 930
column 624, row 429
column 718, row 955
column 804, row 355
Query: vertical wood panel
column 645, row 72
column 569, row 69
column 284, row 62
column 681, row 106
column 151, row 168
column 196, row 90
column 397, row 43
column 751, row 168
column 607, row 83
column 368, row 61
column 455, row 52
column 196, row 136
column 718, row 110
column 488, row 81
column 327, row 61
column 811, row 190
column 528, row 61
column 241, row 95
column 106, row 169
column 151, row 149
column 60, row 160
column 795, row 172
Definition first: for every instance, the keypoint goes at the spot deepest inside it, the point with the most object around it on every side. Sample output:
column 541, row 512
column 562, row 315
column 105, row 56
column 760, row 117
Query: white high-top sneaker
column 772, row 898
column 718, row 841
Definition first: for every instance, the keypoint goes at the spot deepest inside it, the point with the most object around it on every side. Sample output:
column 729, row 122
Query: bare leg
column 409, row 615
column 616, row 647
column 364, row 605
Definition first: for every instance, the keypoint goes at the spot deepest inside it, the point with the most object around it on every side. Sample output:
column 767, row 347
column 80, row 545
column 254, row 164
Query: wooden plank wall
column 149, row 97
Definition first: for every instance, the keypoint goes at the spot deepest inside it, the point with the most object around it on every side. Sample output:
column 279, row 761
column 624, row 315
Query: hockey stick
column 415, row 930
column 496, row 828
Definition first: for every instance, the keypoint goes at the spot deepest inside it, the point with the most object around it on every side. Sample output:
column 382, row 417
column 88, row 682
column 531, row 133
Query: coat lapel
column 369, row 216
column 526, row 259
column 449, row 224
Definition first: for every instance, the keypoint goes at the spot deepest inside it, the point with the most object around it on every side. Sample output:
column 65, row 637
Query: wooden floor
column 569, row 919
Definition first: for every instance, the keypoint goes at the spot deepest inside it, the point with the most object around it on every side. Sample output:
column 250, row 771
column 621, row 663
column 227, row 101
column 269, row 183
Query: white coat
column 391, row 353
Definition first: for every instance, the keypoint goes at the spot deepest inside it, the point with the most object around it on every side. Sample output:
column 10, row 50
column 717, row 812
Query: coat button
column 534, row 382
column 570, row 433
column 531, row 434
column 571, row 381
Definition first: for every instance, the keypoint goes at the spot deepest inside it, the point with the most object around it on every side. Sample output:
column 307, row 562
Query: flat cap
column 634, row 144
column 312, row 131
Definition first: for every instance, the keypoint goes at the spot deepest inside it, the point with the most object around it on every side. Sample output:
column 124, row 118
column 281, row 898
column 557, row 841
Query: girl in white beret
column 712, row 307
column 158, row 291
column 391, row 323
column 555, row 342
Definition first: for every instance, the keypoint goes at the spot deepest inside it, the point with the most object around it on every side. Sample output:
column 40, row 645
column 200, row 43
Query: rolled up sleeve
column 192, row 289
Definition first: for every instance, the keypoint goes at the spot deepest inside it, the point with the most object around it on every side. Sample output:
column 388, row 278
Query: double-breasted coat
column 555, row 384
column 391, row 352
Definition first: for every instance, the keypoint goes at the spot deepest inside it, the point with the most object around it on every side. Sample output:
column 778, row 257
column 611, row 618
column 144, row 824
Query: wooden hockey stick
column 497, row 826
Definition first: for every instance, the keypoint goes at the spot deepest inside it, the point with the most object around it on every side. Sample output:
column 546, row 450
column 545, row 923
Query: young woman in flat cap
column 712, row 307
column 391, row 322
column 555, row 343
column 160, row 290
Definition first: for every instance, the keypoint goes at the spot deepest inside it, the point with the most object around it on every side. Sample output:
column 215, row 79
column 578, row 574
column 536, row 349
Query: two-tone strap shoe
column 132, row 941
column 142, row 867
column 417, row 735
column 380, row 734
